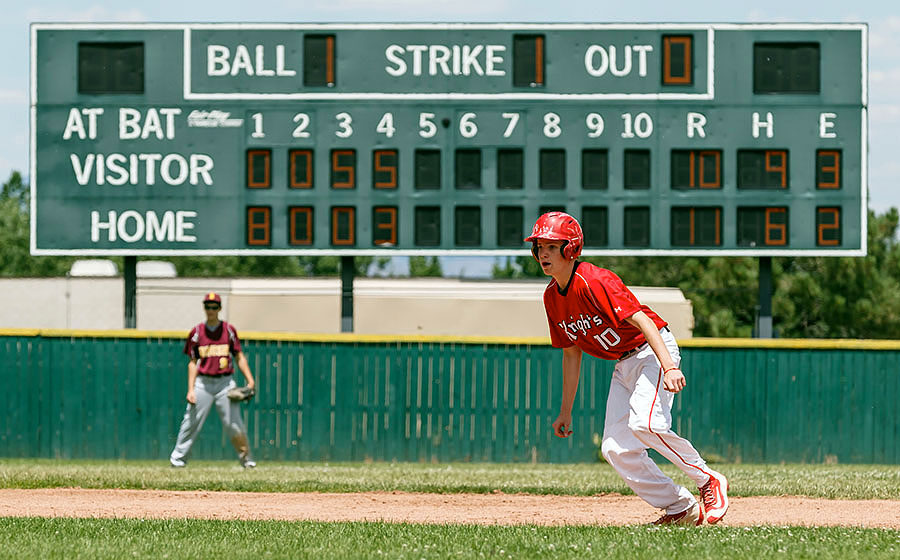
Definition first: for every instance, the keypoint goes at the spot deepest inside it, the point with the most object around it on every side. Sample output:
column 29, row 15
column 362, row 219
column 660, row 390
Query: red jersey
column 213, row 348
column 590, row 313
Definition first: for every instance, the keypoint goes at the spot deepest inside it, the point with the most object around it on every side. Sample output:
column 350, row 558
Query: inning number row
column 638, row 125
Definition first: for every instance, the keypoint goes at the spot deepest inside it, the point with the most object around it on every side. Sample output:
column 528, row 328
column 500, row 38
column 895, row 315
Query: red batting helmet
column 558, row 226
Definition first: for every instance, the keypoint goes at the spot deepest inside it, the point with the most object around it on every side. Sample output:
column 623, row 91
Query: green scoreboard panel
column 681, row 139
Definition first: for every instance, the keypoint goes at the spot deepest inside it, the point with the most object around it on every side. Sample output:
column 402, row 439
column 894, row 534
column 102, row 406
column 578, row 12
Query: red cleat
column 714, row 496
column 691, row 516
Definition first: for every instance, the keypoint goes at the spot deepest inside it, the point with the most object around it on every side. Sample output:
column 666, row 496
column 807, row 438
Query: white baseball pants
column 639, row 416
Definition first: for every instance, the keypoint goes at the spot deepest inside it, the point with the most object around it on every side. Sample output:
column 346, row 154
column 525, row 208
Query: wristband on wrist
column 670, row 369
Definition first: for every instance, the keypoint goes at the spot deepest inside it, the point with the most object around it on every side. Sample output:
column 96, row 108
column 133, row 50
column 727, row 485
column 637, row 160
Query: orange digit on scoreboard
column 776, row 226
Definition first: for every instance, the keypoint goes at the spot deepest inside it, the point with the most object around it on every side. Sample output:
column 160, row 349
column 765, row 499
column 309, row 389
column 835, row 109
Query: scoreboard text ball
column 681, row 139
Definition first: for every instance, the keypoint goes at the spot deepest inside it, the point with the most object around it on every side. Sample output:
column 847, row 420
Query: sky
column 882, row 16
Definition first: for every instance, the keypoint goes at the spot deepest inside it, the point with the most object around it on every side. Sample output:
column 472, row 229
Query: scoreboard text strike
column 674, row 139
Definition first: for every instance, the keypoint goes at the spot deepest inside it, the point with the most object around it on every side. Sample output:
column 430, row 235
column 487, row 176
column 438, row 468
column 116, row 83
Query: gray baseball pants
column 212, row 390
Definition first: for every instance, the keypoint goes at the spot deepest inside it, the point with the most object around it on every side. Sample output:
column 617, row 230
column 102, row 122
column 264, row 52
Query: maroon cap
column 213, row 297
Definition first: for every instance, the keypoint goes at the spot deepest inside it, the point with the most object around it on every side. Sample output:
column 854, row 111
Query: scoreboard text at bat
column 682, row 139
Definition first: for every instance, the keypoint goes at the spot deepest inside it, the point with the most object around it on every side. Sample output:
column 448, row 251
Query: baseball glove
column 241, row 393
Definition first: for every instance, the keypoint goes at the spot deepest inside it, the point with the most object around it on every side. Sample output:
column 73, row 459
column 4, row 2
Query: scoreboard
column 418, row 139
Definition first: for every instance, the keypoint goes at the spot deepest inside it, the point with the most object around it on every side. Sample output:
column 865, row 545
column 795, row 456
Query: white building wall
column 415, row 306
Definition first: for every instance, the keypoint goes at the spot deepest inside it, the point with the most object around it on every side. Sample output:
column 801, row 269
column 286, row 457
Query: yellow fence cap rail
column 350, row 338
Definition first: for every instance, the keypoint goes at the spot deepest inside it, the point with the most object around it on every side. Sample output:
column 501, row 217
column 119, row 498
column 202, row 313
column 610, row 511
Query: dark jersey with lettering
column 213, row 348
column 590, row 313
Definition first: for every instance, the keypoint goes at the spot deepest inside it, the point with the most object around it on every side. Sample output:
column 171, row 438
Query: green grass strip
column 817, row 481
column 192, row 539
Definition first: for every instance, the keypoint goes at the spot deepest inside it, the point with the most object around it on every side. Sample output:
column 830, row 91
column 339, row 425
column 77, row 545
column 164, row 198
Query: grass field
column 188, row 538
column 120, row 538
column 819, row 481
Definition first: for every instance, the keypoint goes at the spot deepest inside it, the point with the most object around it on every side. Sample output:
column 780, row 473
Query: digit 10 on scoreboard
column 447, row 139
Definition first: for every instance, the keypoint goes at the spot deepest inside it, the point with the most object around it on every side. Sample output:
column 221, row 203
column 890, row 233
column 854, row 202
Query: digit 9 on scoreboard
column 762, row 169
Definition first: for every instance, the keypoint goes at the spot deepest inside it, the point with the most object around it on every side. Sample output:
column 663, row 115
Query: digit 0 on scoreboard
column 343, row 226
column 259, row 169
column 432, row 139
column 677, row 61
column 300, row 219
column 301, row 169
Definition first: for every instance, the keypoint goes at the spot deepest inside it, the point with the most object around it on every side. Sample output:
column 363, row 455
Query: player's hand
column 562, row 426
column 673, row 380
column 191, row 397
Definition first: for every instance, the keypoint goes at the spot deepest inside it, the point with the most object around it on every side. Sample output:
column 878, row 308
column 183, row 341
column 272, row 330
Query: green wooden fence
column 120, row 394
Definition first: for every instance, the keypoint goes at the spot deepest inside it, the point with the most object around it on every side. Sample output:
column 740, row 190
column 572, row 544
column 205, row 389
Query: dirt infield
column 402, row 507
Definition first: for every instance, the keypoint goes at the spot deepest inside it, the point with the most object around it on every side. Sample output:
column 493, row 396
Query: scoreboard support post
column 764, row 318
column 130, row 264
column 348, row 270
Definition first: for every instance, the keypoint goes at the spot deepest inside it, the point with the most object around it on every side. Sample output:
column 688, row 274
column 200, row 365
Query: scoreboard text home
column 447, row 138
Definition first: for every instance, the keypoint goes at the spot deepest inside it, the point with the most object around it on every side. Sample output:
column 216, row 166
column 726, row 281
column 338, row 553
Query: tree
column 844, row 297
column 16, row 189
column 15, row 258
column 517, row 267
column 425, row 266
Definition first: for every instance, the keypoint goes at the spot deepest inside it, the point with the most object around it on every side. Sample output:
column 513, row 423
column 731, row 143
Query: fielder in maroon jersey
column 210, row 347
column 590, row 310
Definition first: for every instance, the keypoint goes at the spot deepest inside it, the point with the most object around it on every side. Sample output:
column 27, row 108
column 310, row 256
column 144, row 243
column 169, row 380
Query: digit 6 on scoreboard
column 467, row 126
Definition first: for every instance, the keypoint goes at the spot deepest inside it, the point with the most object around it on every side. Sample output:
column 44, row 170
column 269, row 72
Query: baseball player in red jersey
column 210, row 346
column 590, row 310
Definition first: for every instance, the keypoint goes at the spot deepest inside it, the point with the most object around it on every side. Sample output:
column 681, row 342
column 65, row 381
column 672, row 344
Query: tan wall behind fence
column 417, row 306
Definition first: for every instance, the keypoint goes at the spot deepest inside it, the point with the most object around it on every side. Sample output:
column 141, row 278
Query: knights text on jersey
column 213, row 348
column 590, row 313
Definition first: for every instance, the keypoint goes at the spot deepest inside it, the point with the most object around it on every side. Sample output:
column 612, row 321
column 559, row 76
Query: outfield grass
column 821, row 481
column 172, row 539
